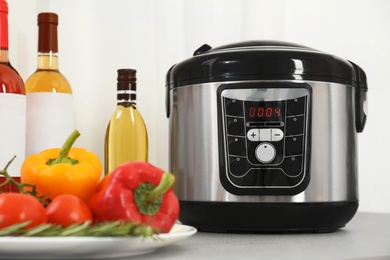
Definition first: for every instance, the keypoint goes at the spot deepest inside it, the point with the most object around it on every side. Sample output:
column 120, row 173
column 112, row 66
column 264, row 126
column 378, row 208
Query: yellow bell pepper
column 63, row 171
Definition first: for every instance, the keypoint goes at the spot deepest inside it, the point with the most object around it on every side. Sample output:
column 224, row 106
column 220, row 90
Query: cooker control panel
column 264, row 138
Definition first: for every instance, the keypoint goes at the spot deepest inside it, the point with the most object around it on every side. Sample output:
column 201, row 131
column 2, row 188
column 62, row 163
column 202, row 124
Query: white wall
column 97, row 37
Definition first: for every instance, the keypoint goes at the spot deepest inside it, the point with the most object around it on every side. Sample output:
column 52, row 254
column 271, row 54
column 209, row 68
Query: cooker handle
column 360, row 98
column 361, row 109
column 167, row 101
column 167, row 94
column 202, row 49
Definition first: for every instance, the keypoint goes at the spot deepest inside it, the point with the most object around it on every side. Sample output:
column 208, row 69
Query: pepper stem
column 148, row 197
column 166, row 182
column 63, row 157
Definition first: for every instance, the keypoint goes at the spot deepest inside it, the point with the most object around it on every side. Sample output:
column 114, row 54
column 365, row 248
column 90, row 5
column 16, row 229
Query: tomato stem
column 9, row 163
column 21, row 186
column 9, row 179
column 63, row 157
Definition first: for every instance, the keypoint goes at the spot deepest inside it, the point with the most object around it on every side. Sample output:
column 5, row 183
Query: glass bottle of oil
column 126, row 135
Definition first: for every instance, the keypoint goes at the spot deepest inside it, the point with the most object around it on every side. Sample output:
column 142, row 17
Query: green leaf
column 104, row 229
column 13, row 228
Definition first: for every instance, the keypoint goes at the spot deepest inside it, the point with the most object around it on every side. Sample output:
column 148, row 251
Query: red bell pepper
column 137, row 191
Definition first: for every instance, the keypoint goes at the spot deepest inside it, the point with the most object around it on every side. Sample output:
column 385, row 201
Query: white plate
column 88, row 247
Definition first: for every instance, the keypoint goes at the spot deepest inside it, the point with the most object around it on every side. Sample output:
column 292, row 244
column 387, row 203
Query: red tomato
column 68, row 209
column 16, row 208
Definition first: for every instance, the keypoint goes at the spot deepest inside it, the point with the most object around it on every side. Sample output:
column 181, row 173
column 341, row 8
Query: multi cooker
column 263, row 137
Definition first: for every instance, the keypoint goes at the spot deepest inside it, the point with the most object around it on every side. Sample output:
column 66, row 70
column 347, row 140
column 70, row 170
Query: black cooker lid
column 263, row 60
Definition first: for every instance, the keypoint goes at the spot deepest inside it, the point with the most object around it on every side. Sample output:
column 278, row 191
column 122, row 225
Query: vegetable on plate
column 137, row 191
column 67, row 170
column 18, row 207
column 68, row 209
column 24, row 214
column 61, row 194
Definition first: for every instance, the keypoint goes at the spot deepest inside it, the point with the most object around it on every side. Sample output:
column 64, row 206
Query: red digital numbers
column 267, row 112
column 277, row 111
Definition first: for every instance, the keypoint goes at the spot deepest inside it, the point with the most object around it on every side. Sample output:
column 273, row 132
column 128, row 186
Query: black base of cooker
column 267, row 217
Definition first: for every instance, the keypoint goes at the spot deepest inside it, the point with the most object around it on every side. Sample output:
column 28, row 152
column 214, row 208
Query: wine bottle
column 49, row 94
column 126, row 135
column 12, row 109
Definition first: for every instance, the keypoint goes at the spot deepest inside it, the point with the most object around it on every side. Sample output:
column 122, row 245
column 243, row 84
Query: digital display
column 264, row 110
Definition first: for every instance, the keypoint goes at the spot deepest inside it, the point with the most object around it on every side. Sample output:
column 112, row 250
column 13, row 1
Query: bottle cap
column 47, row 36
column 4, row 6
column 4, row 25
column 48, row 18
column 127, row 84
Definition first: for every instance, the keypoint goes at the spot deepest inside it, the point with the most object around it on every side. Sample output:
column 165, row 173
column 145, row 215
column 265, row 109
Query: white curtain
column 97, row 37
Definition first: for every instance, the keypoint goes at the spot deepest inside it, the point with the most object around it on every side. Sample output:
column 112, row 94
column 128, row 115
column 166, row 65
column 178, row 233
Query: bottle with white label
column 49, row 94
column 12, row 109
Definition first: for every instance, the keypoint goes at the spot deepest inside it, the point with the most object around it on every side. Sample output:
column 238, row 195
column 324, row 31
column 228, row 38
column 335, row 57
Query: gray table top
column 367, row 236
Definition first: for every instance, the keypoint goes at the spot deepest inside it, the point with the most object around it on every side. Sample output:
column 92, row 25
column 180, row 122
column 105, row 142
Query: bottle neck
column 4, row 32
column 127, row 96
column 47, row 61
column 4, row 56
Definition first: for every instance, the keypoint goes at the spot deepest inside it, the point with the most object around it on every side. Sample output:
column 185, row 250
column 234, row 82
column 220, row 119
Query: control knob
column 265, row 152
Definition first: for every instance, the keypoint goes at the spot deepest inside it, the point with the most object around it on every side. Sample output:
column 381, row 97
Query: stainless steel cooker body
column 195, row 145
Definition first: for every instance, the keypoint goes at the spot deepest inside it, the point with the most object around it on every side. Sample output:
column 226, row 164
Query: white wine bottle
column 126, row 135
column 49, row 94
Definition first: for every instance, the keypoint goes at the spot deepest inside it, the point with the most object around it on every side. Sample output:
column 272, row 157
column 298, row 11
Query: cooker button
column 276, row 134
column 238, row 166
column 294, row 145
column 253, row 135
column 294, row 125
column 236, row 146
column 292, row 166
column 265, row 134
column 235, row 126
column 233, row 107
column 296, row 106
column 265, row 152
